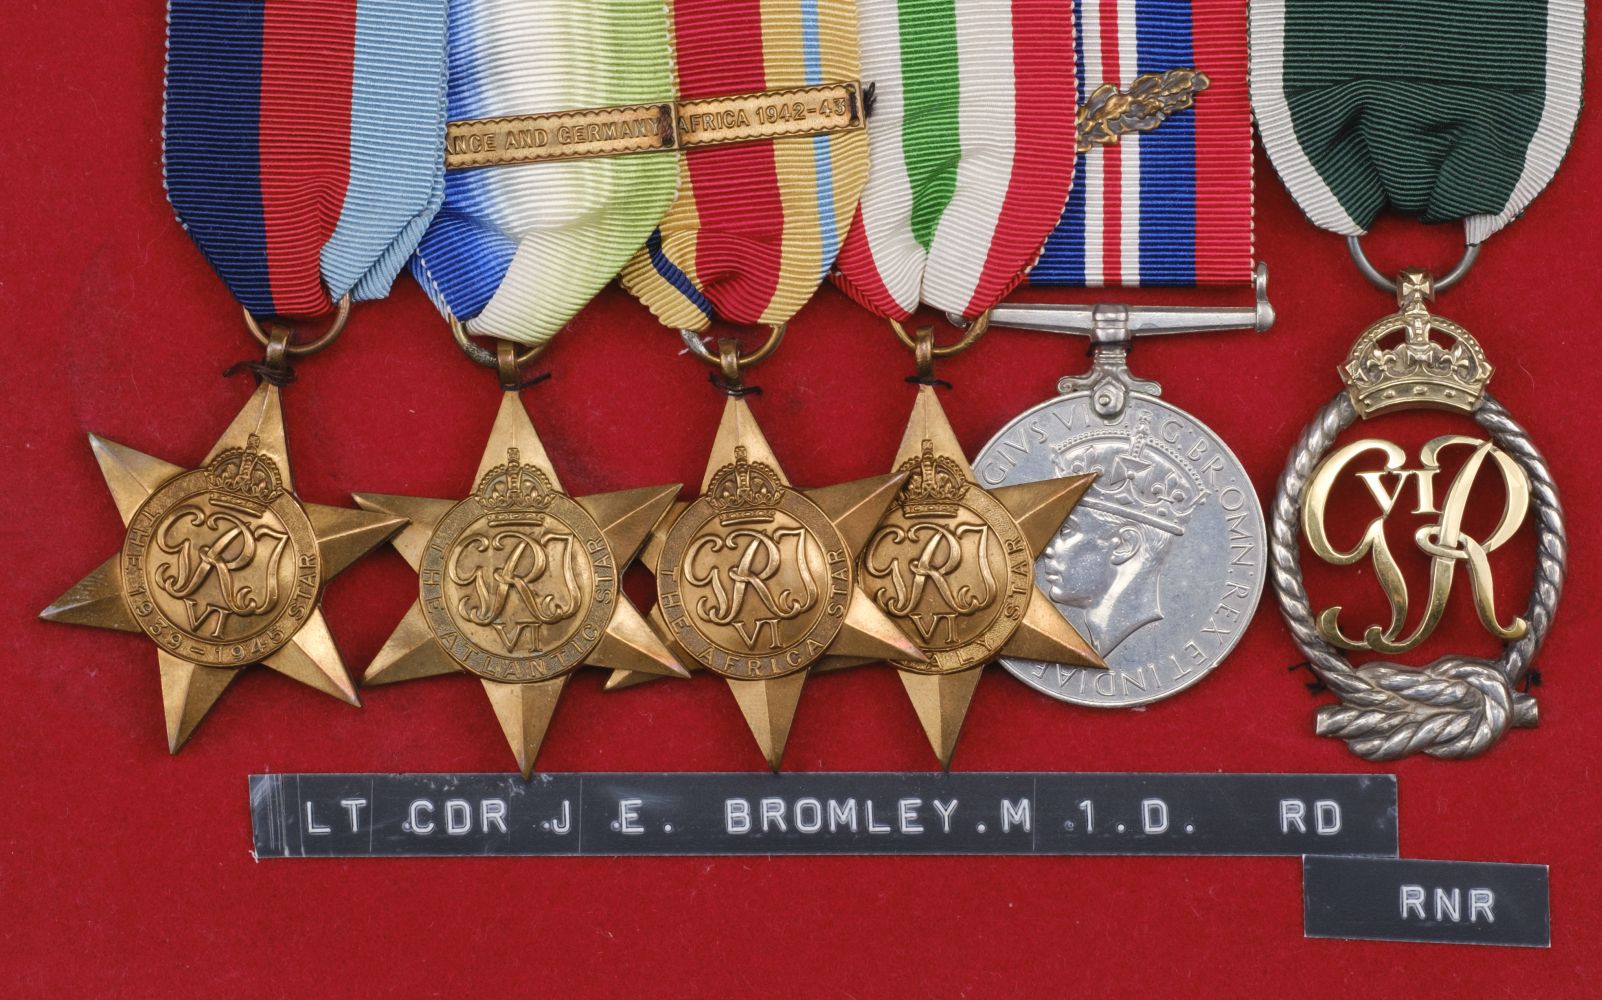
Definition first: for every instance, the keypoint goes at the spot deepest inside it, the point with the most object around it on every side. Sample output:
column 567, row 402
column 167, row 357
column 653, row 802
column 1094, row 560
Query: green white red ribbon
column 971, row 150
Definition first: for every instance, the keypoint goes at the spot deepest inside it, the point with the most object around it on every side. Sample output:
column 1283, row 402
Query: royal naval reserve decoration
column 518, row 581
column 1161, row 563
column 301, row 148
column 1475, row 145
column 970, row 170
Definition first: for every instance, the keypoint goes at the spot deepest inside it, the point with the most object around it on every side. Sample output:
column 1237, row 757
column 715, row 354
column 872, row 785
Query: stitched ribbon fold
column 756, row 225
column 972, row 150
column 1171, row 206
column 302, row 142
column 1441, row 109
column 517, row 250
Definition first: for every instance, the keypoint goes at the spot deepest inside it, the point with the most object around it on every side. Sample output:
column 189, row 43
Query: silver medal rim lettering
column 1125, row 660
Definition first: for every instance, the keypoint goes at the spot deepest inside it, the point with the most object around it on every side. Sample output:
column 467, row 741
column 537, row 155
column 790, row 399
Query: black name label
column 405, row 815
column 1449, row 902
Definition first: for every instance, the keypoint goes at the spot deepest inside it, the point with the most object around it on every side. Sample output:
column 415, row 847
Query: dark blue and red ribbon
column 304, row 142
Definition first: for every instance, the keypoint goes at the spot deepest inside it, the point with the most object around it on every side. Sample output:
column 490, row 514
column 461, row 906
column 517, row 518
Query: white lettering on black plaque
column 1404, row 899
column 404, row 815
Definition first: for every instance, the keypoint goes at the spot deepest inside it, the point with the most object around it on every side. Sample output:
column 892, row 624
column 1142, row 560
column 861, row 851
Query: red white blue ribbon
column 1172, row 206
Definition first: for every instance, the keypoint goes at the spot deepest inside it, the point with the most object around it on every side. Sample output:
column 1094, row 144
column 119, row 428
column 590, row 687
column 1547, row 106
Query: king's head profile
column 1105, row 566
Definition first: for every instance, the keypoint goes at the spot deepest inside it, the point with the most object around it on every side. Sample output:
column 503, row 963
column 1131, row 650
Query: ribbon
column 1173, row 205
column 972, row 150
column 1442, row 109
column 302, row 142
column 518, row 250
column 757, row 225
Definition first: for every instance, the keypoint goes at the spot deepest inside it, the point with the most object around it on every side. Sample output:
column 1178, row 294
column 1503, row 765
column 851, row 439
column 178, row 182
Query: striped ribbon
column 972, row 150
column 756, row 226
column 517, row 250
column 1172, row 206
column 302, row 142
column 1442, row 109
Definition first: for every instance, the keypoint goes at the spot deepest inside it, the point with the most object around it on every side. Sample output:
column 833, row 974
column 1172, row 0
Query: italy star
column 952, row 564
column 757, row 580
column 519, row 583
column 223, row 566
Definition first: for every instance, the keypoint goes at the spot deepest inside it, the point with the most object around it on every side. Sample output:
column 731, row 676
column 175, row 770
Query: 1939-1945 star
column 223, row 566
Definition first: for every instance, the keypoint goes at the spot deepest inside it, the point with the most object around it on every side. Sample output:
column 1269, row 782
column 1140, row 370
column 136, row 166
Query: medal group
column 723, row 158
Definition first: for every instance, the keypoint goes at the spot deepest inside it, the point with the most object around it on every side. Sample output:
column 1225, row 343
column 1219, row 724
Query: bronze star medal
column 223, row 566
column 953, row 565
column 519, row 583
column 757, row 580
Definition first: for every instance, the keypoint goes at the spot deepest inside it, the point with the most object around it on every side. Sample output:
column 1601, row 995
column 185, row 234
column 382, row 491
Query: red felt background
column 124, row 871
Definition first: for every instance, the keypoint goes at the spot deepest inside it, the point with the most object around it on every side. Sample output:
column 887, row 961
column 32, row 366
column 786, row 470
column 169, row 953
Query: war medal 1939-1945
column 223, row 566
column 1475, row 139
column 1161, row 563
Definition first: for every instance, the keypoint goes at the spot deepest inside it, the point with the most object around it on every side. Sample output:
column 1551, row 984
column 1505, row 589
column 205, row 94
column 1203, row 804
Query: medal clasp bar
column 1105, row 321
column 1111, row 328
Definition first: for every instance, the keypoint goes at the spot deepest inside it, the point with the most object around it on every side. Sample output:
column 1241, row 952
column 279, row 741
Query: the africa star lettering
column 1444, row 541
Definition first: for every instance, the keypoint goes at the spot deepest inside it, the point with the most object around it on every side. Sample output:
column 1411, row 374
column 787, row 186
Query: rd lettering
column 1325, row 817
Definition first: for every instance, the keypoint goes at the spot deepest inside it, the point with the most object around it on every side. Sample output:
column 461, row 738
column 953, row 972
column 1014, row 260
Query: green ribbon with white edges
column 1441, row 109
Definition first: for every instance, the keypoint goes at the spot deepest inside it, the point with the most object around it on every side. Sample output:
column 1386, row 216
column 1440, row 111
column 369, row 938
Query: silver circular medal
column 1161, row 563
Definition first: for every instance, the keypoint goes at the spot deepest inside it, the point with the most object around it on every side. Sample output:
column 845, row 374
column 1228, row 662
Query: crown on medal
column 515, row 493
column 935, row 485
column 745, row 492
column 1135, row 481
column 245, row 478
column 1420, row 371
